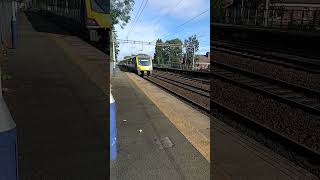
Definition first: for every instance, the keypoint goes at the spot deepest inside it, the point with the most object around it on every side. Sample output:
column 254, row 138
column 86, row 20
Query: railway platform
column 55, row 88
column 153, row 142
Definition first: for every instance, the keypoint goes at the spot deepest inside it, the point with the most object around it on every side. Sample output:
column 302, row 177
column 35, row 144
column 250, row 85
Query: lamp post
column 266, row 13
column 14, row 26
column 193, row 50
column 113, row 54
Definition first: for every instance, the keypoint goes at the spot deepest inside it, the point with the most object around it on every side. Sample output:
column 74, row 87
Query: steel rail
column 203, row 107
column 264, row 127
column 299, row 63
column 184, row 83
column 196, row 80
column 273, row 84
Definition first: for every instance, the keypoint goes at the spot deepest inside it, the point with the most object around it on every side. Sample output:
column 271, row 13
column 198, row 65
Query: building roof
column 203, row 58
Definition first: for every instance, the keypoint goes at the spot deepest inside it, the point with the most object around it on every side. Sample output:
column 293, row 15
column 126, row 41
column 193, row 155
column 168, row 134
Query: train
column 140, row 64
column 92, row 16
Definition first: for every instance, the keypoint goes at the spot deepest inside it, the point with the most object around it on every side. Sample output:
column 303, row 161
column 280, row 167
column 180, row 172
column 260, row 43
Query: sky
column 165, row 19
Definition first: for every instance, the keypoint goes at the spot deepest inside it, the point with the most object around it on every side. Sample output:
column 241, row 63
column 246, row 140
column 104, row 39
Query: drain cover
column 164, row 142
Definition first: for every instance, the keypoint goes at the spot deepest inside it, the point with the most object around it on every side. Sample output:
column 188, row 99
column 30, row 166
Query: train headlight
column 92, row 22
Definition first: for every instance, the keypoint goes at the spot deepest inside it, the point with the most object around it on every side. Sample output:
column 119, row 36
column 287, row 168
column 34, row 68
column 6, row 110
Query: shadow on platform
column 38, row 24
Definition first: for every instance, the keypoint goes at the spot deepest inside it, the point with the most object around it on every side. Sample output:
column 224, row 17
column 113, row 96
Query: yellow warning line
column 185, row 118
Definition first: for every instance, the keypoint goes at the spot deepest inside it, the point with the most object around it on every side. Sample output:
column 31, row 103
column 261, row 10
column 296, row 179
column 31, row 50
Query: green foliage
column 167, row 54
column 126, row 57
column 190, row 43
column 120, row 14
column 120, row 10
column 158, row 53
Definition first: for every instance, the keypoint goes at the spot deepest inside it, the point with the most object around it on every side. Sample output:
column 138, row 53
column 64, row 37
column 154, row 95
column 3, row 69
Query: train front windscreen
column 144, row 61
column 100, row 6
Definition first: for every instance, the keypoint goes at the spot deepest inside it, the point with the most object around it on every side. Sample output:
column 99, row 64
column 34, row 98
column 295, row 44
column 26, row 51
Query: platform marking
column 194, row 125
column 164, row 142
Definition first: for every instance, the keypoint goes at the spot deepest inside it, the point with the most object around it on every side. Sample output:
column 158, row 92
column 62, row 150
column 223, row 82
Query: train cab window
column 144, row 61
column 100, row 6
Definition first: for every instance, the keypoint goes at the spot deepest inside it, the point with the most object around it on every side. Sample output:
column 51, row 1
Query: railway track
column 307, row 64
column 194, row 82
column 192, row 90
column 257, row 46
column 307, row 100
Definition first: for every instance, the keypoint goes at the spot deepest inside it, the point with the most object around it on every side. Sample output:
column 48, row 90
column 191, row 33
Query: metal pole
column 169, row 56
column 113, row 128
column 241, row 13
column 113, row 55
column 158, row 58
column 193, row 50
column 14, row 26
column 248, row 20
column 266, row 13
column 255, row 17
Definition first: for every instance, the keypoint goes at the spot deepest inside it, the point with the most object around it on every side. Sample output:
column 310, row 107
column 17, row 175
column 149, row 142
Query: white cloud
column 144, row 31
column 183, row 10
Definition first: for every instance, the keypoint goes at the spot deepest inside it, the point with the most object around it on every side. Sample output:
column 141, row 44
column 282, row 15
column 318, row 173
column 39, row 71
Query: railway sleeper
column 281, row 91
column 293, row 95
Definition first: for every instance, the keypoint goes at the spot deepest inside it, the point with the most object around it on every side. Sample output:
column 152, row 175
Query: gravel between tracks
column 288, row 121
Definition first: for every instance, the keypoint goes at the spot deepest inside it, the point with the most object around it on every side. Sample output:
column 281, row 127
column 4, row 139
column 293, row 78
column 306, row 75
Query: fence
column 183, row 67
column 5, row 23
column 299, row 19
column 8, row 22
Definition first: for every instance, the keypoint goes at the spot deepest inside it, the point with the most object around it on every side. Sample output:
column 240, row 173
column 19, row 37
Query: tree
column 126, row 57
column 167, row 54
column 120, row 10
column 159, row 52
column 174, row 53
column 192, row 46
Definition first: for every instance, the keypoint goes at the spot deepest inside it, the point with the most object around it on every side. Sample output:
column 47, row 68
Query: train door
column 135, row 59
column 132, row 64
column 82, row 12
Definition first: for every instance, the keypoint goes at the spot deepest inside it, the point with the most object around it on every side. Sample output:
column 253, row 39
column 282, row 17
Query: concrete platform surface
column 61, row 114
column 194, row 125
column 143, row 151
